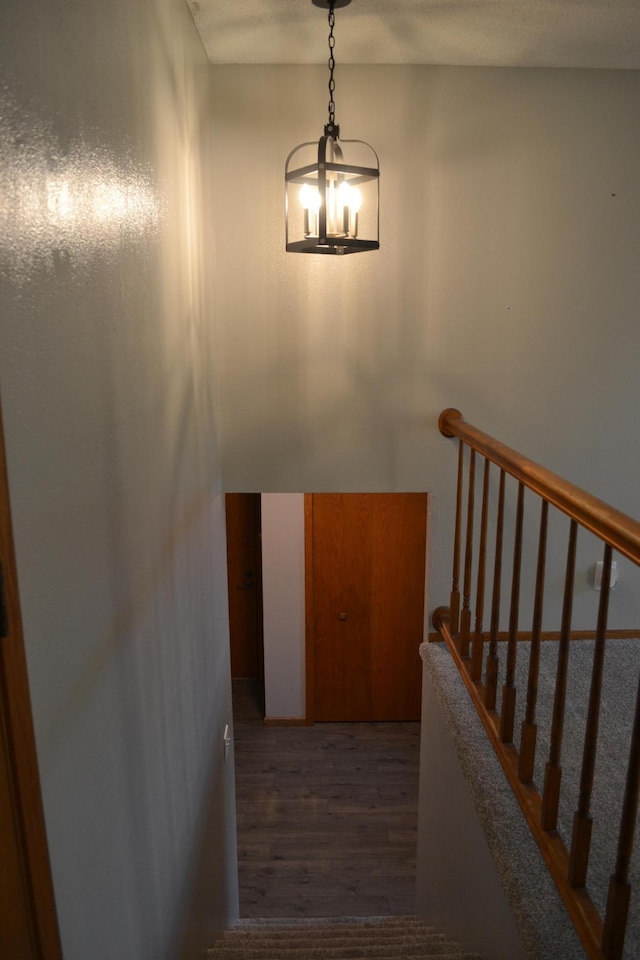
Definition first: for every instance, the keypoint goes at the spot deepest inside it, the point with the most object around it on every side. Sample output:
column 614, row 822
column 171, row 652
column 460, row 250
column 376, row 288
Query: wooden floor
column 327, row 816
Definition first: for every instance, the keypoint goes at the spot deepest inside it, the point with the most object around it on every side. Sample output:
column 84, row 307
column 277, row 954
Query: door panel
column 368, row 559
column 244, row 571
column 28, row 923
column 15, row 916
column 342, row 606
column 398, row 577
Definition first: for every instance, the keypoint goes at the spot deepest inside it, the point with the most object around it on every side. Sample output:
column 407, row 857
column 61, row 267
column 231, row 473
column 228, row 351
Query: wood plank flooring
column 327, row 815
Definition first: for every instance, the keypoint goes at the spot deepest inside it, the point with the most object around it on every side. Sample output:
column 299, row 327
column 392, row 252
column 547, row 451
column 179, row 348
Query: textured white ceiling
column 527, row 33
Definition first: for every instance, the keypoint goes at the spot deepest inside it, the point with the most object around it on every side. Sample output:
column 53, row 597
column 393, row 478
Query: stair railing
column 476, row 652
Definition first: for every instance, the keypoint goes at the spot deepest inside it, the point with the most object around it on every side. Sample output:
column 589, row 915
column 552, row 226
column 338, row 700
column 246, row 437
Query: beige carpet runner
column 349, row 938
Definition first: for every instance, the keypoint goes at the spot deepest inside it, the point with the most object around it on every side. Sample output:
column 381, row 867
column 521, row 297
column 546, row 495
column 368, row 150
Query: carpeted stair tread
column 377, row 922
column 288, row 926
column 330, row 927
column 348, row 949
column 336, row 940
column 385, row 938
column 346, row 952
column 339, row 934
column 289, row 946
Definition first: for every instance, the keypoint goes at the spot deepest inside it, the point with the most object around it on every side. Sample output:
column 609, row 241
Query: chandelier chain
column 332, row 64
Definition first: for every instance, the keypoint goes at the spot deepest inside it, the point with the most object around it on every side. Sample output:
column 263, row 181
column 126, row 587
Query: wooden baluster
column 615, row 923
column 582, row 820
column 508, row 710
column 465, row 618
column 478, row 639
column 454, row 606
column 529, row 731
column 491, row 677
column 553, row 770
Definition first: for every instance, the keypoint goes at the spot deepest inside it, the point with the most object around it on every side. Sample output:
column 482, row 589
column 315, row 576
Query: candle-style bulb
column 310, row 200
column 350, row 200
column 355, row 200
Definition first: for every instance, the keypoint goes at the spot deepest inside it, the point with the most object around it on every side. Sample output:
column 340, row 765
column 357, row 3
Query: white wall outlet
column 226, row 740
column 597, row 574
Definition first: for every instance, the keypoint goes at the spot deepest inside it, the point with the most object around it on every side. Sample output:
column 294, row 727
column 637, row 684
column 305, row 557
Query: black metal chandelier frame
column 331, row 230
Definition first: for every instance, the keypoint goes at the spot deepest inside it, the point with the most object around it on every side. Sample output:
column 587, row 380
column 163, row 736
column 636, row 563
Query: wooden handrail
column 611, row 525
column 617, row 531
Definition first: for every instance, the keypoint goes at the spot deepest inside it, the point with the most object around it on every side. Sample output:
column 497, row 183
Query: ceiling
column 514, row 33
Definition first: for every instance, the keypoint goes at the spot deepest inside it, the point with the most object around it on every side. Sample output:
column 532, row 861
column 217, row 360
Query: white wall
column 107, row 371
column 506, row 285
column 480, row 875
column 283, row 595
column 455, row 860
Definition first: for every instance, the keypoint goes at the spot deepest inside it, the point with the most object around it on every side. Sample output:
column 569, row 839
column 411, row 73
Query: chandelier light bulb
column 310, row 198
column 355, row 199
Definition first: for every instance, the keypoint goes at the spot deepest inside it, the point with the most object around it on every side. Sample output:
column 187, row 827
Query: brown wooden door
column 368, row 572
column 244, row 571
column 28, row 925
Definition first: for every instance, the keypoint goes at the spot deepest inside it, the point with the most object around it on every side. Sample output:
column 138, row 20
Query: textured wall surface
column 283, row 591
column 506, row 285
column 107, row 371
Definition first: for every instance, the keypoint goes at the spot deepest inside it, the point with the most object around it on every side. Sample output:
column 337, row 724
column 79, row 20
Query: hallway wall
column 283, row 592
column 506, row 285
column 108, row 378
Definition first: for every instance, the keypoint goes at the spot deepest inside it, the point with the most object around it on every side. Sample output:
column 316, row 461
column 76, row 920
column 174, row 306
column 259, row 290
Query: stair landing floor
column 327, row 816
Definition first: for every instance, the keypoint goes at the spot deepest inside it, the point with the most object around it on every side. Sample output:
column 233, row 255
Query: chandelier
column 332, row 185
